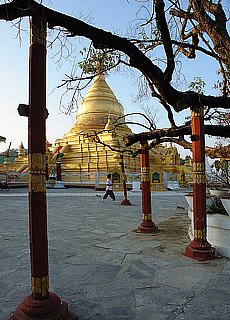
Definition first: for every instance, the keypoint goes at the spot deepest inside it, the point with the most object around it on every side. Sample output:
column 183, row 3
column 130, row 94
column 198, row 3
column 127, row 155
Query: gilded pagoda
column 91, row 148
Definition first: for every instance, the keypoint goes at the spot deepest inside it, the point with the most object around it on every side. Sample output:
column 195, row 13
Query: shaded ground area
column 106, row 271
column 174, row 233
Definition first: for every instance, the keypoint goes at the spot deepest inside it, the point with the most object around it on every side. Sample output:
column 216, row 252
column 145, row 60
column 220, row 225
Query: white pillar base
column 48, row 185
column 59, row 185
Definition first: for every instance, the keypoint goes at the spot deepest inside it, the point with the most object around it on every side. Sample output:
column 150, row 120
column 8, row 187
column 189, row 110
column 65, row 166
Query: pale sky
column 107, row 14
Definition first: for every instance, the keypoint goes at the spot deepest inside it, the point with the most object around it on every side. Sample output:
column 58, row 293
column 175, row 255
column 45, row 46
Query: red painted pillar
column 199, row 248
column 125, row 201
column 41, row 303
column 147, row 225
column 59, row 184
column 58, row 169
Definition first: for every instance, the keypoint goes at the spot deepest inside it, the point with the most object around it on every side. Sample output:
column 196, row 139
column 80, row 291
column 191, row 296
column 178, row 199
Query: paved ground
column 105, row 270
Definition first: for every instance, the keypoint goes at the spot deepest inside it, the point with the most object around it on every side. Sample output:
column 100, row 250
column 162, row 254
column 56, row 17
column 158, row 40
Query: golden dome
column 98, row 103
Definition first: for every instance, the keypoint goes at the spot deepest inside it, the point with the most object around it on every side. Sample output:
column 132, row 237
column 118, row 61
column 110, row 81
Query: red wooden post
column 58, row 169
column 59, row 184
column 41, row 303
column 147, row 225
column 199, row 248
column 125, row 201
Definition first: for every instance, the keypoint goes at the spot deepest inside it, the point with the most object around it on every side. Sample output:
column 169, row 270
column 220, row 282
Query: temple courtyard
column 102, row 268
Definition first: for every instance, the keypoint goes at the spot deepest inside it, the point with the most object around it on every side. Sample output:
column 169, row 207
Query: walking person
column 109, row 189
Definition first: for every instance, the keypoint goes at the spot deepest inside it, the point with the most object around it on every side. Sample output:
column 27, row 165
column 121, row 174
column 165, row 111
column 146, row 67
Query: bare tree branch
column 223, row 131
column 103, row 39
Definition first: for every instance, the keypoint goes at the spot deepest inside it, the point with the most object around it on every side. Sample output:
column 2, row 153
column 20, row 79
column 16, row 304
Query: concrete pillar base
column 48, row 185
column 51, row 308
column 199, row 254
column 59, row 185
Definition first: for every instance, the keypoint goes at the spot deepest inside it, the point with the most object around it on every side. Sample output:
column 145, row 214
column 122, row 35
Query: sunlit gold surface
column 98, row 112
column 83, row 158
column 98, row 104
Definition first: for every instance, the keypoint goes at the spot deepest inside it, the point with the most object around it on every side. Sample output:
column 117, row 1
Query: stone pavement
column 102, row 268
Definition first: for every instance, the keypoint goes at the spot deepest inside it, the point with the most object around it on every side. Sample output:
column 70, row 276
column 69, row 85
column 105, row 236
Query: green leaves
column 197, row 85
column 98, row 61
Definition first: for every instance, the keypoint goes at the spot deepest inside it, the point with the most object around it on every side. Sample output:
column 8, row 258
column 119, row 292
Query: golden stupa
column 100, row 116
column 86, row 162
column 90, row 149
